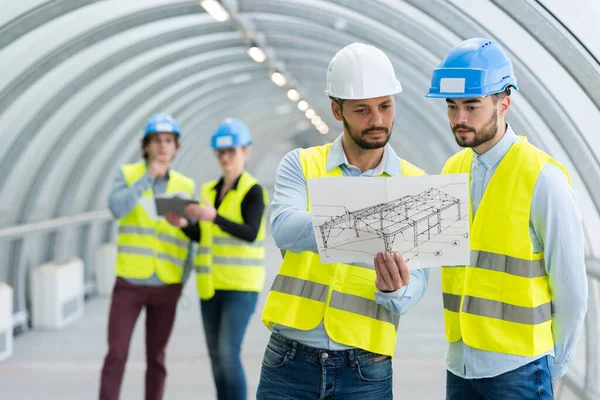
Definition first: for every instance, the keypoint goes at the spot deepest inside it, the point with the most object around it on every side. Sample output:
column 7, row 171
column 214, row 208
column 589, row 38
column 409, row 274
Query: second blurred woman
column 229, row 265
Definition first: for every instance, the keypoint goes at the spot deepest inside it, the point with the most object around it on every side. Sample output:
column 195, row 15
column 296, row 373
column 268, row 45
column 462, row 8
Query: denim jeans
column 293, row 371
column 225, row 318
column 531, row 381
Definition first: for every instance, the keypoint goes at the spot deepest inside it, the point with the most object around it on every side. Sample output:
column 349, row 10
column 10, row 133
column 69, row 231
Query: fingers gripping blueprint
column 426, row 218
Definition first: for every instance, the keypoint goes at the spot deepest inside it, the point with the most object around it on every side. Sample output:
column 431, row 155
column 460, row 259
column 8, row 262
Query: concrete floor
column 66, row 364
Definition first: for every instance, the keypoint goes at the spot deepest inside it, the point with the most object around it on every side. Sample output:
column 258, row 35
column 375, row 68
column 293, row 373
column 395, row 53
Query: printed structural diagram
column 420, row 213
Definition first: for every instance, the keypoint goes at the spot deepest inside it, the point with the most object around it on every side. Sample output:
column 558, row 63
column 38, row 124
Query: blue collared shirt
column 291, row 225
column 555, row 227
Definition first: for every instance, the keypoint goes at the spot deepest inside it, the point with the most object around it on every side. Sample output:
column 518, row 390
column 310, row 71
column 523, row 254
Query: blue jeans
column 531, row 381
column 293, row 371
column 225, row 318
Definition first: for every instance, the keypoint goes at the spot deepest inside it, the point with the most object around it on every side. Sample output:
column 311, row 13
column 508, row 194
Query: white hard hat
column 361, row 71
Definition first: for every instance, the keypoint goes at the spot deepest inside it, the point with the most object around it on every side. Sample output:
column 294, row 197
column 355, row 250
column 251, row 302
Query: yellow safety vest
column 225, row 262
column 146, row 245
column 305, row 291
column 501, row 302
column 203, row 263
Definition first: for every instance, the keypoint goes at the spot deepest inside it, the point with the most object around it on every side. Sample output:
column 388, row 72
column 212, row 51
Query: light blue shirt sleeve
column 291, row 224
column 123, row 198
column 557, row 223
column 401, row 301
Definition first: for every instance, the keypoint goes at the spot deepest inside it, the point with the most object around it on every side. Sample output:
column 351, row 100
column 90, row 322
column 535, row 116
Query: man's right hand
column 156, row 169
column 176, row 219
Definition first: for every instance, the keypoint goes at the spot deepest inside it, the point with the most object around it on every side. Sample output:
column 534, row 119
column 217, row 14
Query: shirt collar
column 389, row 164
column 167, row 175
column 220, row 183
column 495, row 154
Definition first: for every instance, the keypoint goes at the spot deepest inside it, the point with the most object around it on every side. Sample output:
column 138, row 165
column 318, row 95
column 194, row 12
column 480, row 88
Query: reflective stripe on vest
column 150, row 232
column 501, row 302
column 342, row 301
column 236, row 242
column 303, row 293
column 233, row 264
column 202, row 263
column 146, row 245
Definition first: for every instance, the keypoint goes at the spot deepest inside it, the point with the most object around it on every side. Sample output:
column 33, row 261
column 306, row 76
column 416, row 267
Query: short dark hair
column 146, row 140
column 496, row 97
column 339, row 102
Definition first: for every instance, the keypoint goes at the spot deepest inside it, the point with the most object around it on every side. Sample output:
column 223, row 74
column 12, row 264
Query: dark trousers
column 127, row 303
column 291, row 370
column 531, row 381
column 225, row 318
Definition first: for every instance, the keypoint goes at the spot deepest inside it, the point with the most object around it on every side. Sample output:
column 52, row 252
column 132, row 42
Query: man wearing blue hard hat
column 514, row 314
column 151, row 260
column 229, row 264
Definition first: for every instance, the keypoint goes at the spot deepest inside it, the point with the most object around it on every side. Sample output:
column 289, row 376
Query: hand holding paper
column 392, row 271
column 424, row 218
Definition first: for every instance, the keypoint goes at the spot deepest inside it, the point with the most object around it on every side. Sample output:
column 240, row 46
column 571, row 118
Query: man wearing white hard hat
column 334, row 326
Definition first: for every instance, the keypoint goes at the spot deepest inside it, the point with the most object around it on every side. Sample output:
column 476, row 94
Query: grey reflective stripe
column 510, row 265
column 202, row 269
column 235, row 242
column 203, row 250
column 136, row 230
column 507, row 312
column 168, row 257
column 237, row 261
column 362, row 306
column 173, row 240
column 142, row 251
column 300, row 287
column 451, row 302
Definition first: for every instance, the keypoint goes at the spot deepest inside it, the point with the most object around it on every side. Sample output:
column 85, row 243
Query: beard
column 487, row 133
column 362, row 140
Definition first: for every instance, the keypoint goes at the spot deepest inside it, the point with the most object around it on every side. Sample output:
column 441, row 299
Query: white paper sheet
column 426, row 218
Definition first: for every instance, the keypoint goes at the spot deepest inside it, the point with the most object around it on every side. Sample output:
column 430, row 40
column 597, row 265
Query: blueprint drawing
column 425, row 218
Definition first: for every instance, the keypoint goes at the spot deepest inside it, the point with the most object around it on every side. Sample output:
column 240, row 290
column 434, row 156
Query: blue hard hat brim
column 469, row 82
column 469, row 95
column 215, row 146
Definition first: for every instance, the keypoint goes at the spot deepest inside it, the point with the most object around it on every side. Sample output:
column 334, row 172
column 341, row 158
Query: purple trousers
column 127, row 303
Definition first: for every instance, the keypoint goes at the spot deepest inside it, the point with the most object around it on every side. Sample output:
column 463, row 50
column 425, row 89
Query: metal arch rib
column 23, row 24
column 32, row 74
column 87, row 77
column 75, row 175
column 557, row 44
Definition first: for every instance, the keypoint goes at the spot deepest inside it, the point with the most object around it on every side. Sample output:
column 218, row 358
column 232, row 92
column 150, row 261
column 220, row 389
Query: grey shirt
column 123, row 199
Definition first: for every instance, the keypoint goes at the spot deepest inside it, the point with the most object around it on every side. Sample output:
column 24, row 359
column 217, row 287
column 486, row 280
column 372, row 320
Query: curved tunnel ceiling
column 83, row 76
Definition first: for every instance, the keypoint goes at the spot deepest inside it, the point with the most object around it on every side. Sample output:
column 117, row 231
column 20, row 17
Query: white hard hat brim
column 373, row 95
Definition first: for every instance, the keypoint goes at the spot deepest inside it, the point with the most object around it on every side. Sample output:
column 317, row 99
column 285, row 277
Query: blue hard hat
column 231, row 132
column 474, row 68
column 162, row 123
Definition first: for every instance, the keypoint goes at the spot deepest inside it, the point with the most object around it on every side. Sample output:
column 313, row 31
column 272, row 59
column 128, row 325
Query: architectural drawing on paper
column 418, row 218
